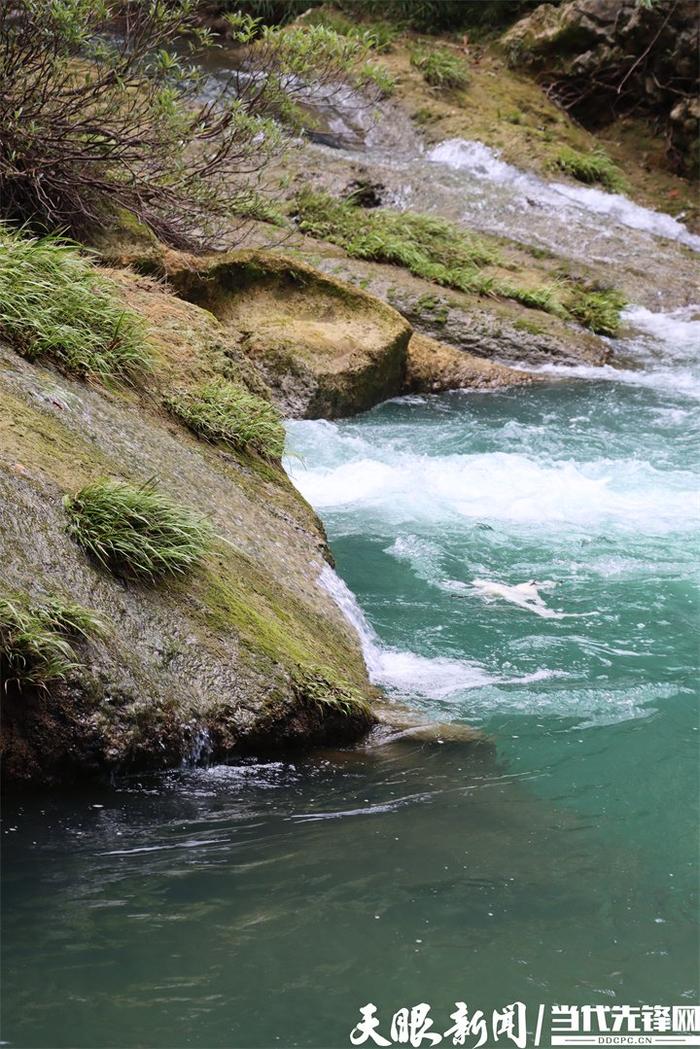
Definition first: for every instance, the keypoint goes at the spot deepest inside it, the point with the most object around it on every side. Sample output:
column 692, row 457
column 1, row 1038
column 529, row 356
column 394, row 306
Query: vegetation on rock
column 135, row 529
column 54, row 303
column 35, row 639
column 593, row 167
column 226, row 412
column 429, row 247
column 320, row 687
column 439, row 251
column 598, row 310
column 378, row 35
column 440, row 68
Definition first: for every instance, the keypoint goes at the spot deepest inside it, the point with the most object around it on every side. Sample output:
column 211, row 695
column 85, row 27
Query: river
column 554, row 862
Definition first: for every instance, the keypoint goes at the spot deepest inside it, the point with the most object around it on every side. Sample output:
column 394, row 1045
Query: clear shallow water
column 262, row 905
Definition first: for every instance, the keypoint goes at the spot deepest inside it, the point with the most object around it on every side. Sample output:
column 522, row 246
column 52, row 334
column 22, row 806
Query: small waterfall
column 200, row 749
column 404, row 673
column 483, row 162
column 347, row 603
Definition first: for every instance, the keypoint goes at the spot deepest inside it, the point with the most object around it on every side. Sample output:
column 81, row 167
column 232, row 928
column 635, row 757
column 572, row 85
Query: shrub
column 595, row 167
column 379, row 36
column 53, row 303
column 135, row 530
column 101, row 112
column 224, row 411
column 440, row 68
column 598, row 310
column 35, row 639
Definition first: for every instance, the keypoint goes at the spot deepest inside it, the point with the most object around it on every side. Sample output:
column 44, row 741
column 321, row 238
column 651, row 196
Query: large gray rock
column 603, row 58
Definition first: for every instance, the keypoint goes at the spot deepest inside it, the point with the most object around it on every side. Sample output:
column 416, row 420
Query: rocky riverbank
column 248, row 650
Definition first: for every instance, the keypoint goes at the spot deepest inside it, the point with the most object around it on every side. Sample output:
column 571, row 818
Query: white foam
column 408, row 673
column 523, row 595
column 485, row 163
column 666, row 346
column 677, row 330
column 625, row 494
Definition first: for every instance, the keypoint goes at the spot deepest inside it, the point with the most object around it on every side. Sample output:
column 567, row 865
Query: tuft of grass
column 227, row 412
column 54, row 304
column 135, row 530
column 440, row 67
column 591, row 168
column 598, row 310
column 321, row 687
column 35, row 639
column 543, row 298
column 427, row 246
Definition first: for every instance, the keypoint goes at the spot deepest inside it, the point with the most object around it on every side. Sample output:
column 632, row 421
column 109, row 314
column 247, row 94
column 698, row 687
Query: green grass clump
column 598, row 310
column 135, row 530
column 53, row 303
column 440, row 68
column 427, row 246
column 543, row 298
column 35, row 638
column 591, row 168
column 225, row 411
column 321, row 687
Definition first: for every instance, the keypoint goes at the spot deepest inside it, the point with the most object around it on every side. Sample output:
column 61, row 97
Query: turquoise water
column 263, row 904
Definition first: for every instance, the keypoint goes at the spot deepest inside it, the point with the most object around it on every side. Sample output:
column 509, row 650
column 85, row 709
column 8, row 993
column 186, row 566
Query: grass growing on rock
column 321, row 687
column 54, row 304
column 225, row 412
column 378, row 35
column 35, row 639
column 440, row 68
column 427, row 246
column 591, row 168
column 135, row 529
column 598, row 310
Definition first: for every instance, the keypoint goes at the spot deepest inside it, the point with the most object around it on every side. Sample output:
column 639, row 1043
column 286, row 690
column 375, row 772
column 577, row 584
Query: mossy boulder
column 325, row 348
column 244, row 650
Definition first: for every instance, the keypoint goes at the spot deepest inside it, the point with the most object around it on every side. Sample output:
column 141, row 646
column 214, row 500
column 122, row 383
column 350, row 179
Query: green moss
column 438, row 310
column 440, row 68
column 235, row 596
column 38, row 439
column 228, row 413
column 530, row 327
column 35, row 639
column 591, row 168
column 135, row 530
column 53, row 303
